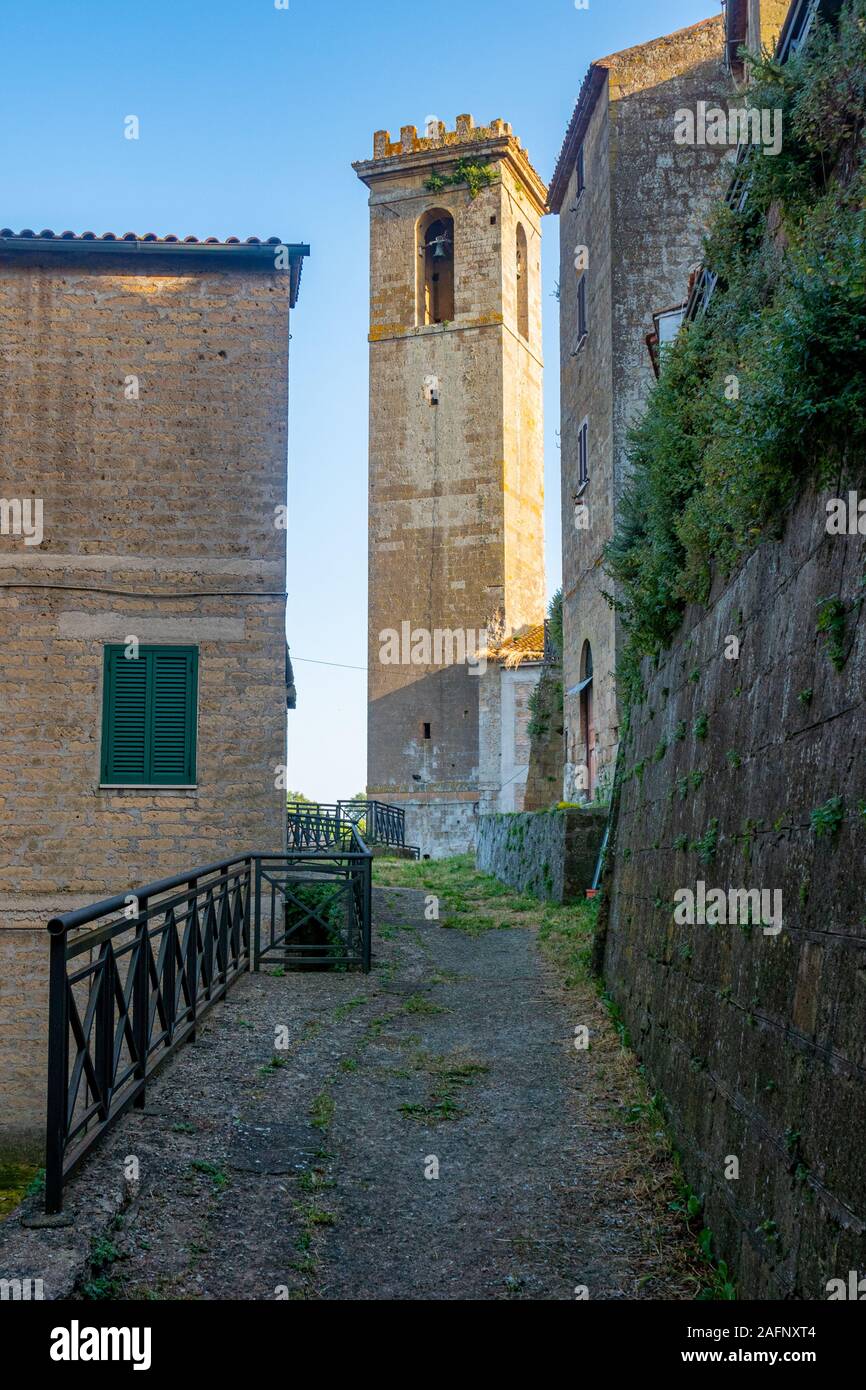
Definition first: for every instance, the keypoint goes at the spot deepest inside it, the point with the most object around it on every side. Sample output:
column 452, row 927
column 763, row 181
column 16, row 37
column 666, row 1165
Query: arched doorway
column 587, row 719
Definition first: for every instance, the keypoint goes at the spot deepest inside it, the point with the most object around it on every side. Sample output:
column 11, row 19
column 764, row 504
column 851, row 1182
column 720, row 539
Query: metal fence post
column 192, row 955
column 245, row 941
column 104, row 1029
column 257, row 930
column 366, row 940
column 58, row 1067
column 140, row 1005
column 169, row 976
column 208, row 941
column 225, row 913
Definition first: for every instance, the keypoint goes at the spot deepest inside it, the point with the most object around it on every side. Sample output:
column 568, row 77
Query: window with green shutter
column 149, row 716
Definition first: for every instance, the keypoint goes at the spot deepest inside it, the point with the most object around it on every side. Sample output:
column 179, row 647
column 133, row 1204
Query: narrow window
column 149, row 716
column 583, row 456
column 581, row 173
column 522, row 274
column 436, row 251
column 426, row 731
column 581, row 312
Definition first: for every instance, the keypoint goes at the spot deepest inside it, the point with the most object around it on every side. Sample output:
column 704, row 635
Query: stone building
column 456, row 455
column 143, row 670
column 753, row 25
column 513, row 669
column 632, row 204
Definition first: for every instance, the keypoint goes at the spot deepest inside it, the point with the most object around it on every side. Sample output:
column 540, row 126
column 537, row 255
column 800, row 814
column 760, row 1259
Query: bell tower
column 456, row 483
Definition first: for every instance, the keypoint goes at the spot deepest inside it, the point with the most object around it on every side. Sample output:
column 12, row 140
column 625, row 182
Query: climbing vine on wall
column 767, row 392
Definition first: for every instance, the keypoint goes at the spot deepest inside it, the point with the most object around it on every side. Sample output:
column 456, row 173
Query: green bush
column 328, row 927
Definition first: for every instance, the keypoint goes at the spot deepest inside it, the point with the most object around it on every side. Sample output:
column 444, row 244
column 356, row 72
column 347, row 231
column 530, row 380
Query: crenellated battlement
column 410, row 154
column 437, row 137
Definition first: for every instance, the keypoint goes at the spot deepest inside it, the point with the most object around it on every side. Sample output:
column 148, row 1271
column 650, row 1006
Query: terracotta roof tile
column 48, row 235
column 522, row 646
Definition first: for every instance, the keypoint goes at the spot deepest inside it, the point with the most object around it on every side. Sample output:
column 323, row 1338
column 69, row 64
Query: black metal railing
column 131, row 976
column 386, row 824
column 320, row 824
column 314, row 909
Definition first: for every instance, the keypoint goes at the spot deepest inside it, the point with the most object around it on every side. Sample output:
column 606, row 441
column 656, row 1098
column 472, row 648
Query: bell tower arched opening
column 435, row 268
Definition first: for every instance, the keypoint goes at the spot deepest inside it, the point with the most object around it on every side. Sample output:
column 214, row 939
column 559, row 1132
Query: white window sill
column 148, row 786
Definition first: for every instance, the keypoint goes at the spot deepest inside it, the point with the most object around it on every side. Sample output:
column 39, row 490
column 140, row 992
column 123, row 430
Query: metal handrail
column 324, row 823
column 68, row 921
column 125, row 995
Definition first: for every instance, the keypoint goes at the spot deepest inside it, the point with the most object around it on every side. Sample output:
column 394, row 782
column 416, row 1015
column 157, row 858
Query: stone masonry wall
column 641, row 217
column 756, row 1040
column 169, row 494
column 441, row 827
column 549, row 853
column 586, row 386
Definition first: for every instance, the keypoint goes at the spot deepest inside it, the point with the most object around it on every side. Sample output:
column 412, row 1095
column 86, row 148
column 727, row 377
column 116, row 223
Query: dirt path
column 307, row 1171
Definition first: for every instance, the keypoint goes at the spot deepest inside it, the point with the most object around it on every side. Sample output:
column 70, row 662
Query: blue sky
column 250, row 117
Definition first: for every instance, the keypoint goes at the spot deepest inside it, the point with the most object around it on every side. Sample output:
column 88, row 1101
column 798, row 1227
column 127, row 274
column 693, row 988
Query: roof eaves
column 591, row 86
column 254, row 252
column 521, row 648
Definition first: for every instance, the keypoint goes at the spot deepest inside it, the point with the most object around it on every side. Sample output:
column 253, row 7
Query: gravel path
column 292, row 1151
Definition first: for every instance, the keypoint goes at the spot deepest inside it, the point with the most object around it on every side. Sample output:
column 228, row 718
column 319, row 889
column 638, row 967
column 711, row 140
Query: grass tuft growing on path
column 468, row 900
column 679, row 1248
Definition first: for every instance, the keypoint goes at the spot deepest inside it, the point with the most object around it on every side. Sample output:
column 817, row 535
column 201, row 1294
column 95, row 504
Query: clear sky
column 250, row 117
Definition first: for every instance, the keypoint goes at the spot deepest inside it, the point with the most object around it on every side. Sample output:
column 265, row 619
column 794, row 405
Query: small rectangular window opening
column 581, row 314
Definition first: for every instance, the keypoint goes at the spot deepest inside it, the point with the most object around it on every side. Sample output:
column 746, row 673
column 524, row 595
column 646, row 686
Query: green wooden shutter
column 124, row 719
column 149, row 716
column 172, row 744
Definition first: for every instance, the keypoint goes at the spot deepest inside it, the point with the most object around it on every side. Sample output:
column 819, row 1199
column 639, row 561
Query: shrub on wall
column 546, row 702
